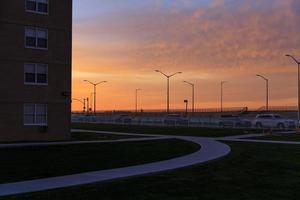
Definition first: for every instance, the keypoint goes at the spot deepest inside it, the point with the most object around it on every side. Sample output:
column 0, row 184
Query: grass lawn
column 84, row 136
column 25, row 163
column 281, row 137
column 87, row 136
column 184, row 131
column 251, row 171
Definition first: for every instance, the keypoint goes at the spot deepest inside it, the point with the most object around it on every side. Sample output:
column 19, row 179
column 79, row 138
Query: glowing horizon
column 123, row 42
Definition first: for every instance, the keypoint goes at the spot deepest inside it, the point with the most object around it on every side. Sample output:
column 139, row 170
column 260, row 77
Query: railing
column 278, row 109
column 160, row 111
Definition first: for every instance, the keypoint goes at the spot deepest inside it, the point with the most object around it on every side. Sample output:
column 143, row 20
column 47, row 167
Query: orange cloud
column 229, row 40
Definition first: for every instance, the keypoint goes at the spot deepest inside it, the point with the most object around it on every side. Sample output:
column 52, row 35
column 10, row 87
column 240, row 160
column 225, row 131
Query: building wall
column 13, row 54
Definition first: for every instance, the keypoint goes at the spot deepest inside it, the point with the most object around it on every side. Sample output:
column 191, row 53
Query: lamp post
column 87, row 105
column 267, row 90
column 168, row 86
column 298, row 63
column 186, row 106
column 193, row 95
column 91, row 101
column 95, row 90
column 81, row 101
column 136, row 99
column 222, row 83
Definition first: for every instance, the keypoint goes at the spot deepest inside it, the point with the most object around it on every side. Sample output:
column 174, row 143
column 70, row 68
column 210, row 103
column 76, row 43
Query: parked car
column 124, row 119
column 273, row 121
column 175, row 119
column 233, row 121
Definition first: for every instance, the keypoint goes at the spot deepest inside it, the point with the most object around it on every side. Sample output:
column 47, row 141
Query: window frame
column 36, row 11
column 35, row 74
column 36, row 29
column 35, row 115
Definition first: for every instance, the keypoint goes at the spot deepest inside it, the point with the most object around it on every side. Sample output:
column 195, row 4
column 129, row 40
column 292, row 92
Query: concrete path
column 262, row 141
column 240, row 136
column 210, row 150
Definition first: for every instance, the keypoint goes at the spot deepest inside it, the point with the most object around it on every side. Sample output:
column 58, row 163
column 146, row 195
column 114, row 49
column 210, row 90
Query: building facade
column 35, row 69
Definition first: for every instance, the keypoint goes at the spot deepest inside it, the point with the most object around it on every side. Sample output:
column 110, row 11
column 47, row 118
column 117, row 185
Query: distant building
column 35, row 69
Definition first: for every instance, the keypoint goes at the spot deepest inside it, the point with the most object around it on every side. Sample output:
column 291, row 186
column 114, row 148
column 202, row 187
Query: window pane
column 42, row 78
column 30, row 5
column 41, row 119
column 29, row 68
column 30, row 32
column 29, row 109
column 42, row 43
column 42, row 33
column 30, row 42
column 42, row 7
column 41, row 109
column 41, row 69
column 30, row 78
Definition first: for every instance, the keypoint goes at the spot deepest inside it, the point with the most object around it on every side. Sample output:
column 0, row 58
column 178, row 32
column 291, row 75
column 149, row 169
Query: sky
column 124, row 41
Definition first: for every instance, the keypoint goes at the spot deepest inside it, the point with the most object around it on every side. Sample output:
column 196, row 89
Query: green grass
column 183, row 131
column 25, row 163
column 84, row 136
column 88, row 136
column 279, row 137
column 251, row 171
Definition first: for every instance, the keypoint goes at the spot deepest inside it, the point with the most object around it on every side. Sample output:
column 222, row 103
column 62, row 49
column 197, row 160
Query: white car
column 273, row 121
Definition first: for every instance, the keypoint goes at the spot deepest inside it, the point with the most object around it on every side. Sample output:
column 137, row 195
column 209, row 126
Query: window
column 37, row 6
column 35, row 114
column 36, row 74
column 36, row 38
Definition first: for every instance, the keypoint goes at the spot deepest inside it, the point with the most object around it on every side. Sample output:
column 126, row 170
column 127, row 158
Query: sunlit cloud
column 208, row 40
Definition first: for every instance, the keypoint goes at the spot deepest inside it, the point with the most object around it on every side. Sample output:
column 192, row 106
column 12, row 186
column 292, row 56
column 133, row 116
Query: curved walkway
column 210, row 150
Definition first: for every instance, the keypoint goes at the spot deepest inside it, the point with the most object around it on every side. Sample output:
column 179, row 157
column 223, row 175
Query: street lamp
column 81, row 101
column 193, row 95
column 267, row 90
column 222, row 83
column 136, row 99
column 91, row 101
column 87, row 105
column 95, row 94
column 186, row 106
column 298, row 63
column 168, row 86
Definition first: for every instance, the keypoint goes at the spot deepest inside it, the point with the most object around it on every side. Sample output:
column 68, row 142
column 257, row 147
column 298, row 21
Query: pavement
column 262, row 141
column 210, row 149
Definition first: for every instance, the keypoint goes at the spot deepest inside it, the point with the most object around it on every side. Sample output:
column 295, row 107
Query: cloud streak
column 228, row 39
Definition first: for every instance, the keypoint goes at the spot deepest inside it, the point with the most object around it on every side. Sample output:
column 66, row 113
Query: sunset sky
column 124, row 41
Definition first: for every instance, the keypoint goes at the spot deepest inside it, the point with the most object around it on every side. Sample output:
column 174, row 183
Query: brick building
column 35, row 69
